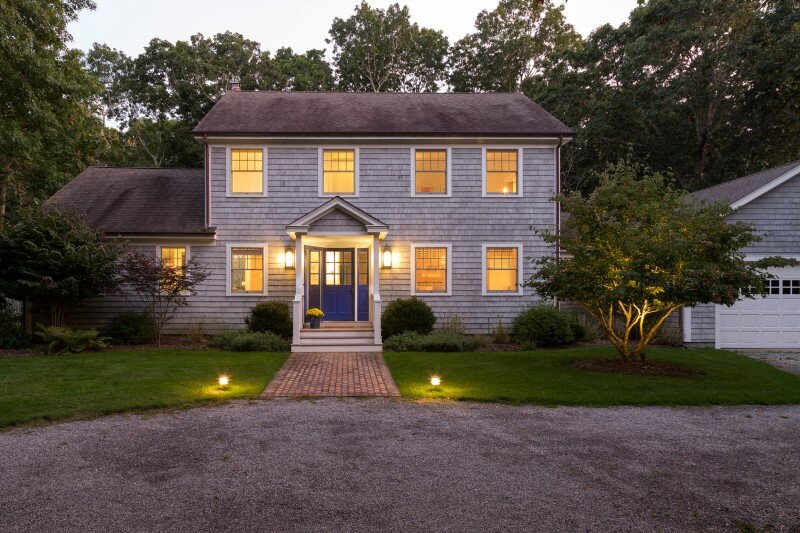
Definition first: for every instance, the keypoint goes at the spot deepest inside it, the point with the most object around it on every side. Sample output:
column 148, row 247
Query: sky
column 128, row 25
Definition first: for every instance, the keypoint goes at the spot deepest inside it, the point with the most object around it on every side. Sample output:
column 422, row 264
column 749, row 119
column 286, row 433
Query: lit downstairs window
column 338, row 172
column 502, row 172
column 173, row 256
column 247, row 270
column 502, row 269
column 430, row 269
column 247, row 171
column 430, row 171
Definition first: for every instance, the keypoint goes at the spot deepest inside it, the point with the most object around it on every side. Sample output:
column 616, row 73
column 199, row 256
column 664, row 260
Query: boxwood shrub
column 273, row 317
column 407, row 314
column 544, row 326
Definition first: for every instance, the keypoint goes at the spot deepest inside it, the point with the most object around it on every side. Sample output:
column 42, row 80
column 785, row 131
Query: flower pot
column 315, row 321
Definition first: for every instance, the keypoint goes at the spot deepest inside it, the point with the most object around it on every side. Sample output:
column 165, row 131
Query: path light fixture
column 288, row 257
column 387, row 257
column 223, row 381
column 436, row 381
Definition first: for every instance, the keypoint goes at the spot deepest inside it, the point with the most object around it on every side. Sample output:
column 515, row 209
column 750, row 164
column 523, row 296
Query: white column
column 376, row 288
column 297, row 304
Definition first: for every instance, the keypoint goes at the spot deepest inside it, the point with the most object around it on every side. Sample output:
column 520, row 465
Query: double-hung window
column 431, row 269
column 174, row 258
column 502, row 269
column 502, row 172
column 247, row 273
column 247, row 174
column 339, row 172
column 430, row 172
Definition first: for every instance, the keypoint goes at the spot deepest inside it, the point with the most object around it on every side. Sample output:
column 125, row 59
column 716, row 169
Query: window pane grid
column 247, row 270
column 174, row 257
column 501, row 171
column 501, row 269
column 791, row 286
column 247, row 171
column 430, row 267
column 338, row 172
column 430, row 172
column 338, row 267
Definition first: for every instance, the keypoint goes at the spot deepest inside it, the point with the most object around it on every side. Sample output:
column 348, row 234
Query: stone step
column 339, row 348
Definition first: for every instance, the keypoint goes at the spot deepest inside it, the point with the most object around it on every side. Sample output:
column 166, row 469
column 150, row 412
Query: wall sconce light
column 288, row 257
column 387, row 257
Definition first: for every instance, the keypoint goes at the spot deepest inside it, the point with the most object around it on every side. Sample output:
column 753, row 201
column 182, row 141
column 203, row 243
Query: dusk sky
column 302, row 24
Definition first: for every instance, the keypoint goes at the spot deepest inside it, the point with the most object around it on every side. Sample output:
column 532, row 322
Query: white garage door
column 769, row 322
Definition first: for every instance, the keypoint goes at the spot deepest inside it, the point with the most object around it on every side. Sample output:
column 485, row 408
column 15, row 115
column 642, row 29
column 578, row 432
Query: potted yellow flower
column 314, row 316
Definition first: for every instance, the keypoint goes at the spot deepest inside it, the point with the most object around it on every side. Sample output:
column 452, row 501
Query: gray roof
column 138, row 200
column 734, row 190
column 380, row 114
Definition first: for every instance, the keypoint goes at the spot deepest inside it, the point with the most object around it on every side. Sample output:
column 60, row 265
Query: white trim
column 448, row 172
column 264, row 264
column 449, row 272
column 520, row 264
column 356, row 171
column 757, row 257
column 484, row 172
column 717, row 328
column 687, row 323
column 385, row 142
column 228, row 171
column 780, row 180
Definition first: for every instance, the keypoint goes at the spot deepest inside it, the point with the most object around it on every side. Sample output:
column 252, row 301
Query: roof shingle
column 380, row 114
column 736, row 189
column 138, row 200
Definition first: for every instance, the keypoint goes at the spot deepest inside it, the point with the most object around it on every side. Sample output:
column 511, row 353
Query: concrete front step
column 335, row 348
column 337, row 334
column 334, row 341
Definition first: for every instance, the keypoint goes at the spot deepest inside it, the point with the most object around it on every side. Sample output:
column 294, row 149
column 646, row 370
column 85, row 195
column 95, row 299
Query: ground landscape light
column 223, row 380
column 436, row 381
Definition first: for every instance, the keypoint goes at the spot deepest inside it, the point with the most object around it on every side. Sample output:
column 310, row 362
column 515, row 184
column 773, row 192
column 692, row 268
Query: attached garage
column 769, row 322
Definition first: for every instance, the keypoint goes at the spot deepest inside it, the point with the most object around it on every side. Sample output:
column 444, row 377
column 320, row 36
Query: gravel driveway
column 368, row 465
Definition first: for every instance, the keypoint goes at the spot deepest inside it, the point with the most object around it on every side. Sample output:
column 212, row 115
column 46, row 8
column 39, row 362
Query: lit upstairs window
column 247, row 171
column 502, row 171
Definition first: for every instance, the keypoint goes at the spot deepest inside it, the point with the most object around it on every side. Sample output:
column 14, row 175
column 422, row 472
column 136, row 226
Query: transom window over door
column 502, row 172
column 247, row 270
column 430, row 171
column 247, row 171
column 502, row 273
column 430, row 269
column 338, row 171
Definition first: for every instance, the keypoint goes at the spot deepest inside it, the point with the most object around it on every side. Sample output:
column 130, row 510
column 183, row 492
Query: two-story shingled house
column 344, row 201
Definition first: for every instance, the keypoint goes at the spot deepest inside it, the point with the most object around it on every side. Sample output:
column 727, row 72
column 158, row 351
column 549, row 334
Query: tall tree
column 510, row 43
column 48, row 131
column 381, row 50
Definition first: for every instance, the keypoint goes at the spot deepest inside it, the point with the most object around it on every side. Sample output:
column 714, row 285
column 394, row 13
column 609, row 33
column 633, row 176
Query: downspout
column 557, row 202
column 208, row 181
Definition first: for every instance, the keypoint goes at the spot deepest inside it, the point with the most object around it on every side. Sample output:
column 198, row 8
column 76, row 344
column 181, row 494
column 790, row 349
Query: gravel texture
column 382, row 464
column 788, row 361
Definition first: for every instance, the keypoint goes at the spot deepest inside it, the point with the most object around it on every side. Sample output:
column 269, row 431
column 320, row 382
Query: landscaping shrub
column 543, row 326
column 454, row 324
column 11, row 335
column 407, row 314
column 67, row 339
column 437, row 341
column 131, row 328
column 273, row 317
column 499, row 334
column 251, row 341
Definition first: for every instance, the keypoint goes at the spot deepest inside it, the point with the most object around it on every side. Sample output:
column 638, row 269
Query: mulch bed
column 649, row 368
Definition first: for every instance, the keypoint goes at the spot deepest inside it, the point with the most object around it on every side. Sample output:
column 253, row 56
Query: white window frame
column 448, row 172
column 264, row 265
column 229, row 172
column 449, row 273
column 321, row 172
column 520, row 273
column 176, row 245
column 484, row 172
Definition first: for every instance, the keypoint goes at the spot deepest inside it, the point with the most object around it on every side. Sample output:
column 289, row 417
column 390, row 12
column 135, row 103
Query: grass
column 42, row 388
column 546, row 377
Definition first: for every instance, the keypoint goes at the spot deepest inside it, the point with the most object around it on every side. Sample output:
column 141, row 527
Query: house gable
column 337, row 215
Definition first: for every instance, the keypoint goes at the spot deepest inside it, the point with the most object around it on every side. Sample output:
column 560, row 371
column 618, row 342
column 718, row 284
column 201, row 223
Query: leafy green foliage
column 637, row 248
column 251, row 341
column 543, row 326
column 381, row 50
column 55, row 258
column 66, row 339
column 48, row 131
column 407, row 314
column 272, row 317
column 131, row 328
column 437, row 341
column 12, row 337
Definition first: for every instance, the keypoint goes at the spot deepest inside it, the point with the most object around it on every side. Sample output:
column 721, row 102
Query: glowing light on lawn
column 436, row 381
column 223, row 381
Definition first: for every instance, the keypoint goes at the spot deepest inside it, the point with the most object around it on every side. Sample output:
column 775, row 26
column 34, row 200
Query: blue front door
column 338, row 285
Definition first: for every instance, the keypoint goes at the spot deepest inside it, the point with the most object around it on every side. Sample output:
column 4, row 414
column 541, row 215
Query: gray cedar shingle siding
column 337, row 221
column 466, row 220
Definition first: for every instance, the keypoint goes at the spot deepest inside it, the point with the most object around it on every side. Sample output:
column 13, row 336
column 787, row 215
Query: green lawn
column 92, row 384
column 546, row 377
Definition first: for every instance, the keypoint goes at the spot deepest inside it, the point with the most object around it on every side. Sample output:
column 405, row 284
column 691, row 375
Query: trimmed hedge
column 249, row 341
column 271, row 317
column 407, row 314
column 544, row 326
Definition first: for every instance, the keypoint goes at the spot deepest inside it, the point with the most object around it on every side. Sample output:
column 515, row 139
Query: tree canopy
column 637, row 249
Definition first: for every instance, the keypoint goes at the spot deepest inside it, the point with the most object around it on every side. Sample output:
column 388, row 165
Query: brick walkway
column 332, row 374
